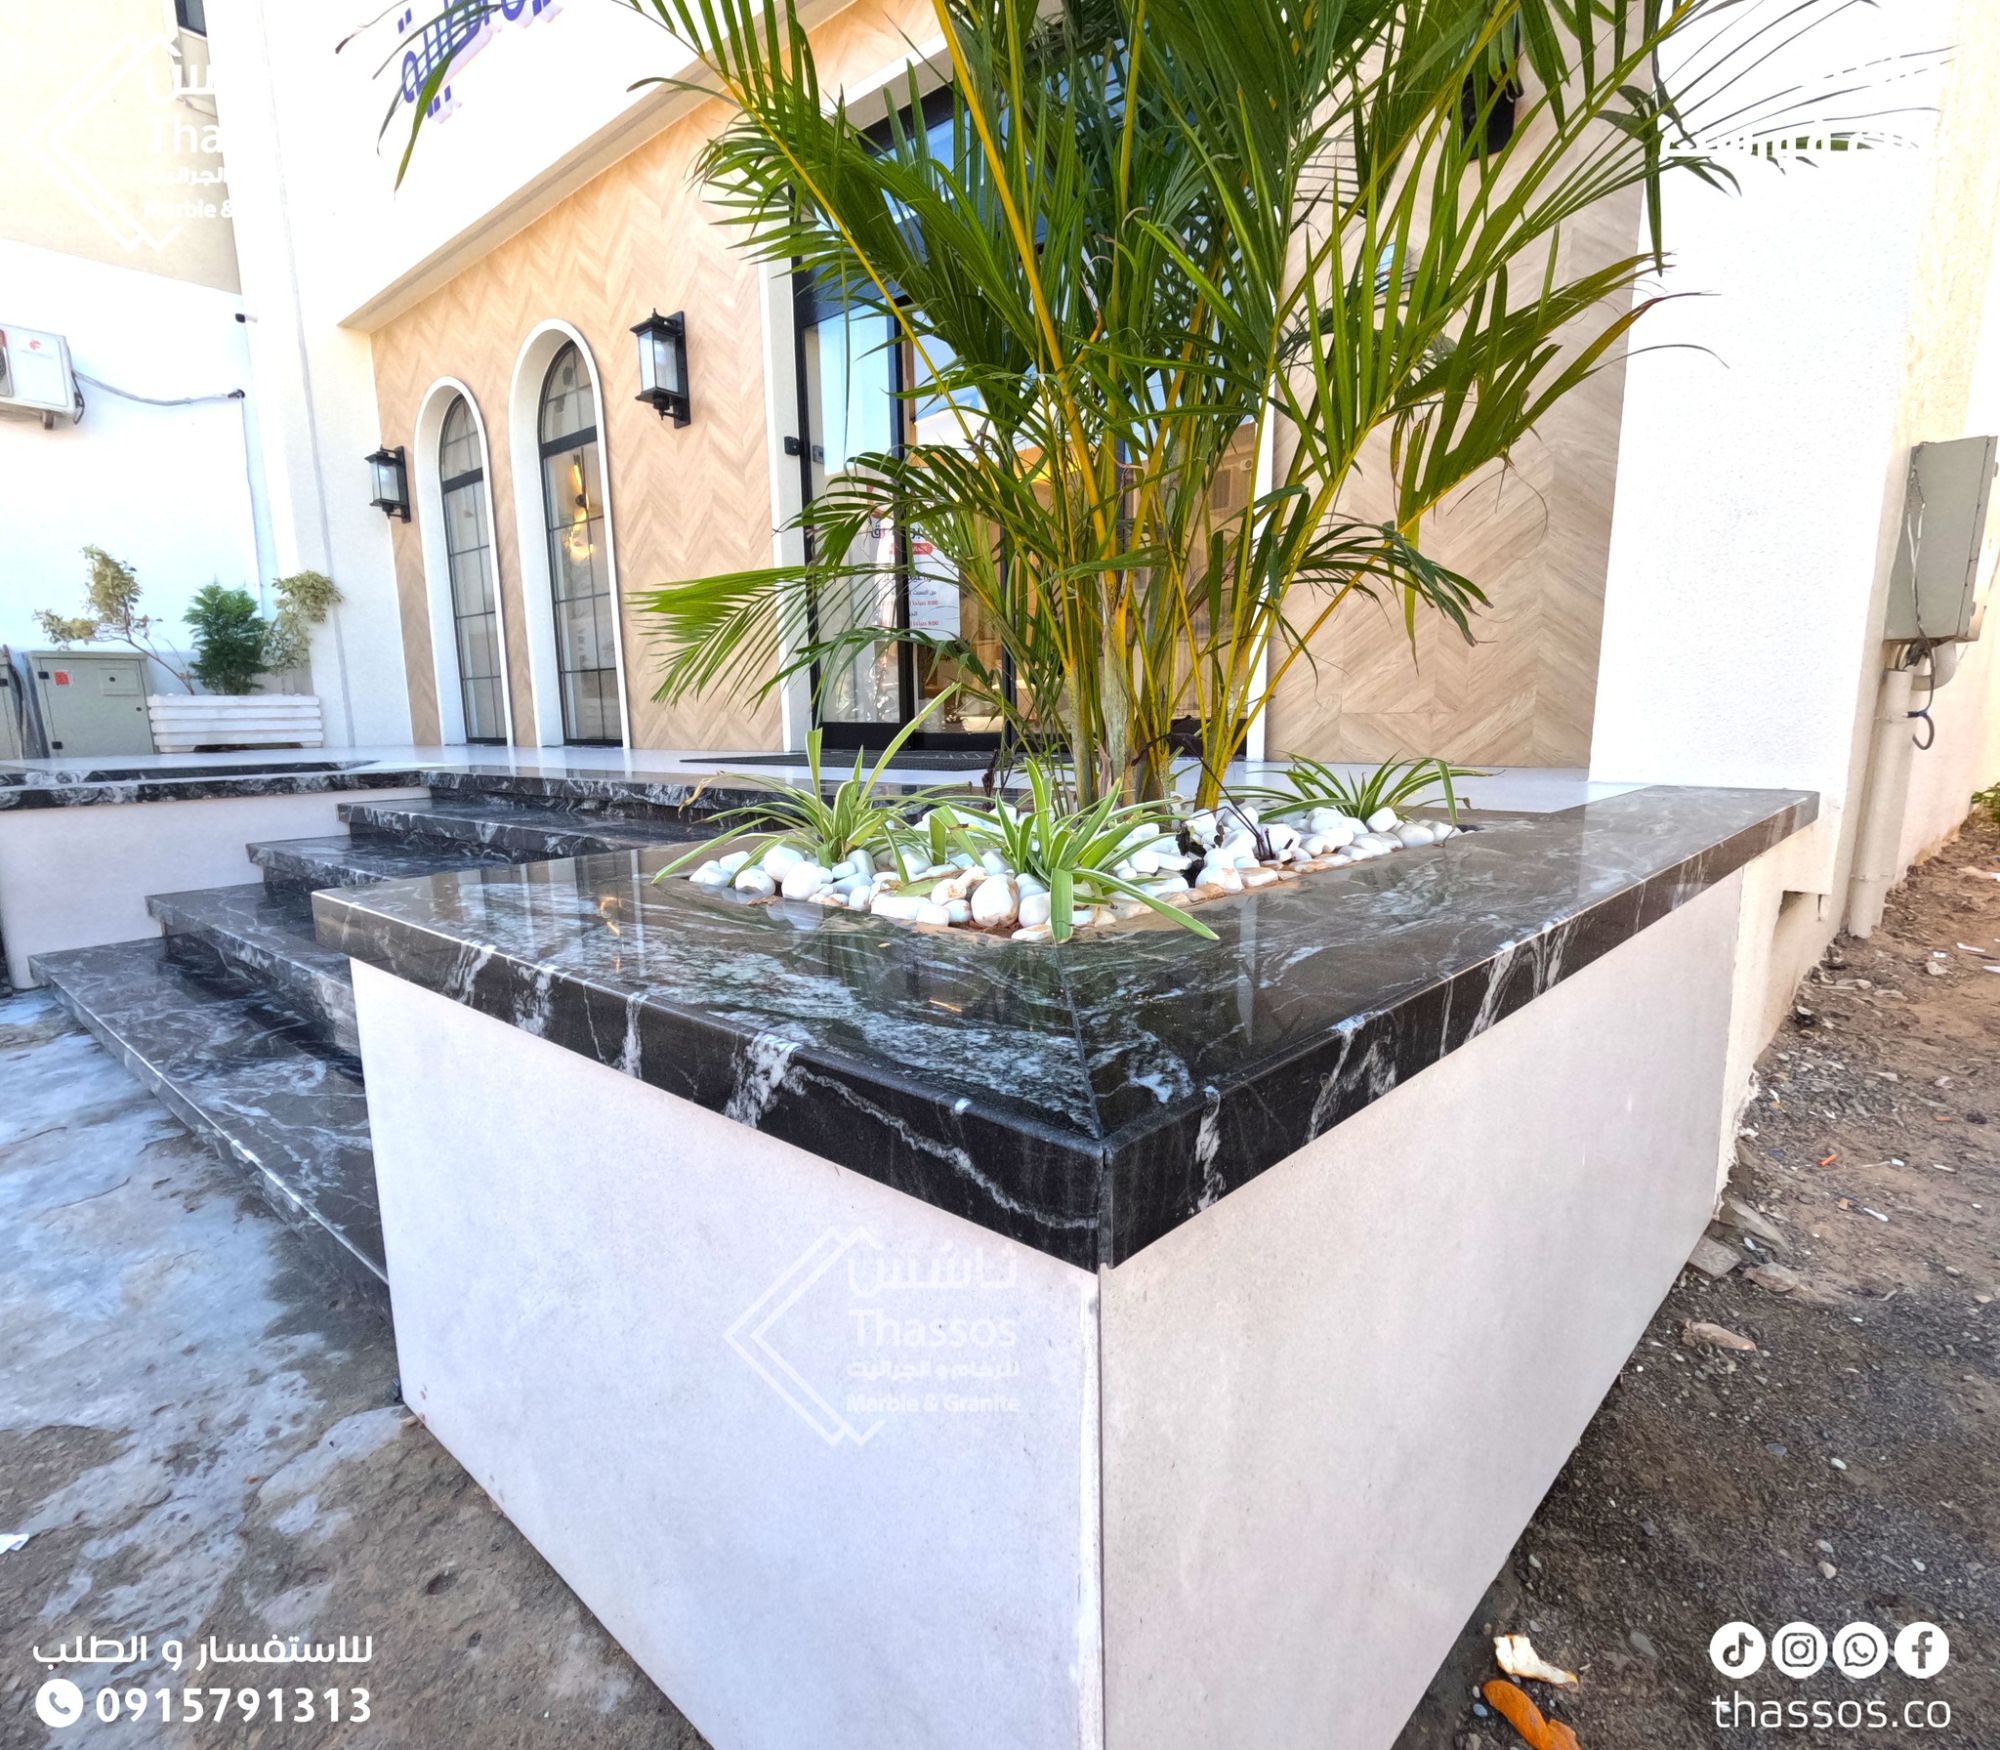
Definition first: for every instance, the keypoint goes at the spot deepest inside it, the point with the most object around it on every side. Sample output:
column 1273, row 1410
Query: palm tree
column 1156, row 239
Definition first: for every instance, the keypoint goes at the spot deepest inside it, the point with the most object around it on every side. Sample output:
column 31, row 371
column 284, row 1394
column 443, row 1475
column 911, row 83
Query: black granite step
column 263, row 943
column 521, row 831
column 297, row 867
column 250, row 1079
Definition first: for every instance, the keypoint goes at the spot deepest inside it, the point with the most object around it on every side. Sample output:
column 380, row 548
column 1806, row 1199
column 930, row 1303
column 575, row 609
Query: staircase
column 243, row 1025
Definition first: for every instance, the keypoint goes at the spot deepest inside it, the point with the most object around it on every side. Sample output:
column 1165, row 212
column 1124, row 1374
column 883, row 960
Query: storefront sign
column 456, row 35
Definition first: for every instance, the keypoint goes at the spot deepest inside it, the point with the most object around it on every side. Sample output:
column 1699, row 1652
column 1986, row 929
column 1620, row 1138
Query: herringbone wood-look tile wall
column 692, row 501
column 1537, row 540
column 685, row 502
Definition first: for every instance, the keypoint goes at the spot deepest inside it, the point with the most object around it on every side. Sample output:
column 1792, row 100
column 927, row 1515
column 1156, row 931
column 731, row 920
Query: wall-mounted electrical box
column 1937, row 551
column 37, row 380
column 92, row 702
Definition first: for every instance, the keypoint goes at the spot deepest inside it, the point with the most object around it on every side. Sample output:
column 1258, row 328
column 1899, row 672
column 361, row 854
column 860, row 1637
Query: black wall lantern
column 663, row 365
column 392, row 483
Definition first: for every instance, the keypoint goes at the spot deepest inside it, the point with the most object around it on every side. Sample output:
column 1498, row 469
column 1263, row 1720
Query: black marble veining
column 248, row 1077
column 91, row 791
column 1085, row 1099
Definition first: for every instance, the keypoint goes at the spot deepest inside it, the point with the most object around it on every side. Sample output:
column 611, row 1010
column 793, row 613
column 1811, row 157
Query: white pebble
column 959, row 912
column 755, row 881
column 1032, row 933
column 994, row 863
column 1259, row 877
column 1414, row 834
column 780, row 858
column 895, row 905
column 1034, row 906
column 734, row 861
column 993, row 903
column 1382, row 820
column 710, row 874
column 802, row 881
column 1030, row 884
column 929, row 913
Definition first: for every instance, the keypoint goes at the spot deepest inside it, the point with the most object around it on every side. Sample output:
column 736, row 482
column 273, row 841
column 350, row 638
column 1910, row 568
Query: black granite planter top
column 89, row 787
column 1084, row 1099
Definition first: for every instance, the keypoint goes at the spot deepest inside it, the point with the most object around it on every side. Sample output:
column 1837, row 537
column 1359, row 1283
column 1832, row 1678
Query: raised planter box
column 194, row 722
column 900, row 1341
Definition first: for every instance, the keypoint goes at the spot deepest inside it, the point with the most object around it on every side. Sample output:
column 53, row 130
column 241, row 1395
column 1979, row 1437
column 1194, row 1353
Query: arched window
column 469, row 558
column 579, row 571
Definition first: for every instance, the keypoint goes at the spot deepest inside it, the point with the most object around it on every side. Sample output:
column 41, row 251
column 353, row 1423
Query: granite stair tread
column 250, row 1079
column 521, row 830
column 346, row 861
column 265, row 941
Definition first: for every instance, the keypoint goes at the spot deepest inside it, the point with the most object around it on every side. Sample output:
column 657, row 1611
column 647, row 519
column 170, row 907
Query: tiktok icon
column 1736, row 1650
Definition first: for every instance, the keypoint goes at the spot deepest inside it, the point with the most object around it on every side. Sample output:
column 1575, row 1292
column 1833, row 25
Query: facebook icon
column 1922, row 1650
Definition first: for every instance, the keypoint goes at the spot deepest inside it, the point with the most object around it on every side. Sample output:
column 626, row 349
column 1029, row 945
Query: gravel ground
column 1849, row 1469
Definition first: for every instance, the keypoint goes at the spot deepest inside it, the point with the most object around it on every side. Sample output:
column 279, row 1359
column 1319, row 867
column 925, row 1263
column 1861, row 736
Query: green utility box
column 92, row 702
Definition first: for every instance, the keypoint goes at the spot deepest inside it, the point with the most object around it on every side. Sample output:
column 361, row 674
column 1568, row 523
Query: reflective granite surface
column 1084, row 1099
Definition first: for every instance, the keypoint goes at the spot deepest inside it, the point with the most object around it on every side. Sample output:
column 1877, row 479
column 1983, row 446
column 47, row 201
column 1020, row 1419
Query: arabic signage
column 455, row 35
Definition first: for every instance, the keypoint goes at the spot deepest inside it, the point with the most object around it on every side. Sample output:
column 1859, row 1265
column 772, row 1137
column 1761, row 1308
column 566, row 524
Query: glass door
column 855, row 374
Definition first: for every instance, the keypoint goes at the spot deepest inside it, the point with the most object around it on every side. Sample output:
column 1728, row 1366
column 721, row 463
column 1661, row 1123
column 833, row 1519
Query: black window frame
column 544, row 449
column 447, row 485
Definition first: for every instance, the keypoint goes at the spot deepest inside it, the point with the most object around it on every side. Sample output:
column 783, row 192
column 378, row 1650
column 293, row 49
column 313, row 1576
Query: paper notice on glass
column 934, row 592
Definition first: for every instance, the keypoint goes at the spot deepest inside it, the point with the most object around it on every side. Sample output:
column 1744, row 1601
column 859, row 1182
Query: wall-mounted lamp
column 392, row 483
column 663, row 365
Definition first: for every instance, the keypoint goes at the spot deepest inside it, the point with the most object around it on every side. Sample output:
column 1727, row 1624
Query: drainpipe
column 1878, row 846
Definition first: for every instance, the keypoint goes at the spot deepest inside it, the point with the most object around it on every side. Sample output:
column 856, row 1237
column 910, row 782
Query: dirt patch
column 1847, row 1470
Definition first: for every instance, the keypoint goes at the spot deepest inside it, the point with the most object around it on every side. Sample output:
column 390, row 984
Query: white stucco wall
column 1841, row 307
column 166, row 489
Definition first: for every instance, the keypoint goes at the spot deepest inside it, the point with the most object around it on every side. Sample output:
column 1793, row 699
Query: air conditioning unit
column 36, row 381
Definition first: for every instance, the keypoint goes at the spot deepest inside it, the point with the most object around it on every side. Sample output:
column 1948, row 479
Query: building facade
column 1688, row 566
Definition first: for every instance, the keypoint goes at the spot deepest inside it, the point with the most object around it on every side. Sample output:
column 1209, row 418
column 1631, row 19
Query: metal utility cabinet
column 92, row 702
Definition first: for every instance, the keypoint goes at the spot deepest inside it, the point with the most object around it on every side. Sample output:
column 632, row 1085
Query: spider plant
column 826, row 829
column 1396, row 784
column 1073, row 851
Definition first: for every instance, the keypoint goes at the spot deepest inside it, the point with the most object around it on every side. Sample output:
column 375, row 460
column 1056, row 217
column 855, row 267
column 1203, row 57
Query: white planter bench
column 185, row 722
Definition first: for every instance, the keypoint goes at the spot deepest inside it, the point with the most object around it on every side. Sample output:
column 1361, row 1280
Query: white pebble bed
column 985, row 893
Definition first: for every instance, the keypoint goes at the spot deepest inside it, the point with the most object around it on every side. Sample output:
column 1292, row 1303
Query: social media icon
column 1798, row 1649
column 1861, row 1649
column 59, row 1702
column 1922, row 1650
column 1736, row 1650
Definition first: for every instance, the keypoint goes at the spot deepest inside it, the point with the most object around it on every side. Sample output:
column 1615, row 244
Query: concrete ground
column 202, row 1437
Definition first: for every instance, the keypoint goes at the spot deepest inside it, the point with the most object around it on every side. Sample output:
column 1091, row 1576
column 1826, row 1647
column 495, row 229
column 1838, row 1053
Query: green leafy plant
column 1156, row 240
column 111, row 593
column 1397, row 784
column 1988, row 799
column 826, row 829
column 1073, row 851
column 230, row 639
column 304, row 600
